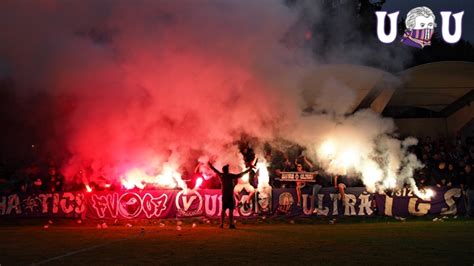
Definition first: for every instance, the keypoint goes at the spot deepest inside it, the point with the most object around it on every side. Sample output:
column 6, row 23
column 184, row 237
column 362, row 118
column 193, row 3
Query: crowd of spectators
column 32, row 179
column 445, row 164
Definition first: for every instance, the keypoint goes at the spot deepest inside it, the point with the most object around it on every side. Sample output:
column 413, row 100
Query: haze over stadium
column 147, row 132
column 146, row 88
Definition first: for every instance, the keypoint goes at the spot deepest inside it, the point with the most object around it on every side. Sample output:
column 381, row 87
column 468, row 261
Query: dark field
column 375, row 243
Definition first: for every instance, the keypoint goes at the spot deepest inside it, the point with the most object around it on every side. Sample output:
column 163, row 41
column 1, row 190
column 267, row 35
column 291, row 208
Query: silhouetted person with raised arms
column 227, row 181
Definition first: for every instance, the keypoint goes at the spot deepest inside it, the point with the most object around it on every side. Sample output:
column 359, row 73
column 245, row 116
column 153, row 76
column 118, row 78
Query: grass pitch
column 374, row 243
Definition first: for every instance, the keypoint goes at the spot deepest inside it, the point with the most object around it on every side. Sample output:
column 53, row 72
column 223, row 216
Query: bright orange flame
column 168, row 178
column 198, row 182
column 206, row 177
column 244, row 179
column 134, row 178
column 425, row 194
column 348, row 158
column 263, row 176
column 327, row 149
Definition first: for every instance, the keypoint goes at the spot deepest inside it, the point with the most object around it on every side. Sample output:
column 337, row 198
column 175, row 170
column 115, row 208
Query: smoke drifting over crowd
column 148, row 87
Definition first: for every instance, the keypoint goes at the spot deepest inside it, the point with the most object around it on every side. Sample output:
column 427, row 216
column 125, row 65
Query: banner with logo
column 131, row 204
column 445, row 201
column 325, row 202
column 61, row 205
column 152, row 204
column 298, row 176
column 358, row 202
column 170, row 204
column 261, row 204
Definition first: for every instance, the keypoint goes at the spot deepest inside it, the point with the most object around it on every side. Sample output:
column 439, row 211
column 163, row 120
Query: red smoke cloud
column 156, row 83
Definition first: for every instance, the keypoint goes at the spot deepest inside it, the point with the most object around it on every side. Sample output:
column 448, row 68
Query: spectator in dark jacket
column 439, row 174
column 54, row 181
column 468, row 187
column 227, row 187
column 422, row 177
column 452, row 176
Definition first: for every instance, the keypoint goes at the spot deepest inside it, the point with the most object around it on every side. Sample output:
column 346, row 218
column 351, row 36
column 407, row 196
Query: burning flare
column 198, row 183
column 169, row 178
column 364, row 161
column 424, row 194
column 263, row 176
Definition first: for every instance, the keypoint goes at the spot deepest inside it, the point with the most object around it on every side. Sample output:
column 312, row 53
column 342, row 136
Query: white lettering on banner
column 187, row 203
column 388, row 205
column 50, row 203
column 66, row 207
column 365, row 202
column 184, row 209
column 129, row 205
column 404, row 192
column 61, row 200
column 112, row 202
column 349, row 206
column 244, row 211
column 55, row 202
column 210, row 204
column 334, row 199
column 422, row 209
column 154, row 206
column 306, row 210
column 44, row 202
column 213, row 204
column 80, row 203
column 322, row 211
column 298, row 176
column 449, row 199
column 100, row 204
column 14, row 204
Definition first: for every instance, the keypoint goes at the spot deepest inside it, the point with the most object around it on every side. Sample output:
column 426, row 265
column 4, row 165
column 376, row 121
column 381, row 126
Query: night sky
column 438, row 5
